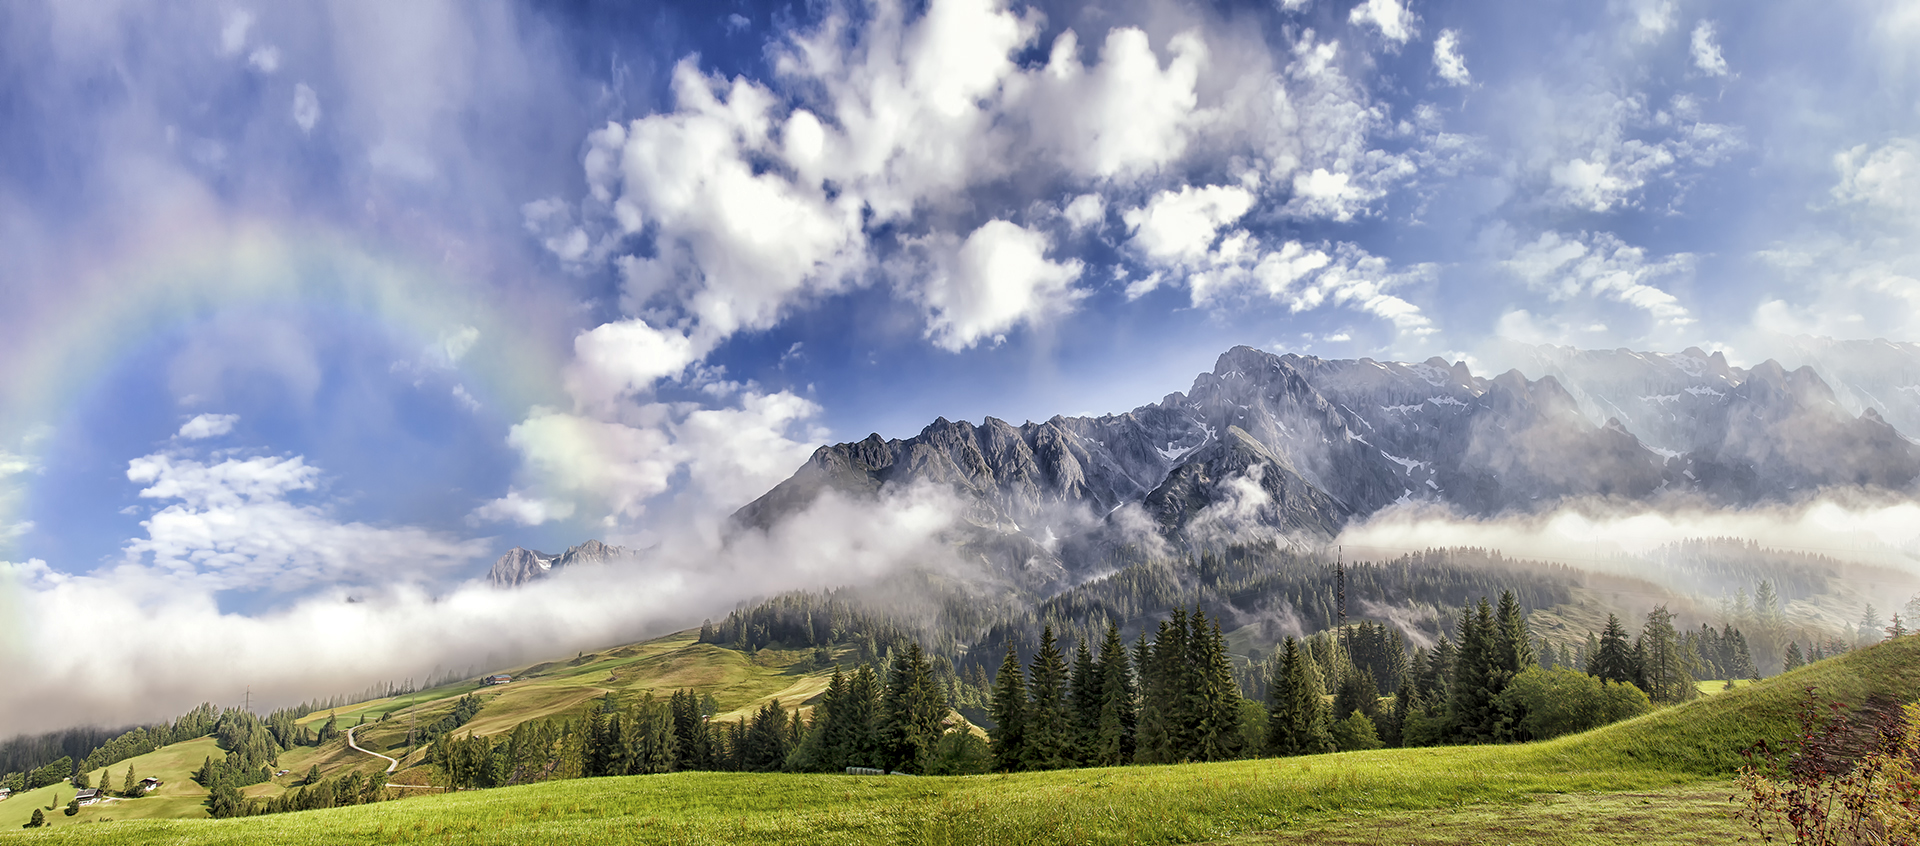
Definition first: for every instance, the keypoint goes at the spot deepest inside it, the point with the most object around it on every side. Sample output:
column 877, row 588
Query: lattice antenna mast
column 249, row 699
column 1340, row 597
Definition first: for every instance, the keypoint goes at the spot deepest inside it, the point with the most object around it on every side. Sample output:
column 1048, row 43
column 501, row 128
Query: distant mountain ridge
column 1300, row 446
column 521, row 565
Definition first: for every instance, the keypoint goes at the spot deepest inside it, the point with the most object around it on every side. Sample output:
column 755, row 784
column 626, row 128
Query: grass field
column 1660, row 778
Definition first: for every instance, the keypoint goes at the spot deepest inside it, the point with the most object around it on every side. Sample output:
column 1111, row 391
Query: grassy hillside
column 178, row 797
column 1675, row 756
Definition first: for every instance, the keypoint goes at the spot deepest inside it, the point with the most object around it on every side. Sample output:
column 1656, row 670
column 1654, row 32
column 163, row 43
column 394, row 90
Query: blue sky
column 310, row 298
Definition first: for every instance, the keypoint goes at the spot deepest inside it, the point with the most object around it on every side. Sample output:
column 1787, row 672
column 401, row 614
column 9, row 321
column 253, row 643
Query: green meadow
column 1660, row 778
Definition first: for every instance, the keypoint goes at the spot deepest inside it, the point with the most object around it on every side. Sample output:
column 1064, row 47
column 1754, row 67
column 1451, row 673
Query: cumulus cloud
column 1602, row 265
column 521, row 510
column 306, row 107
column 1706, row 53
column 1447, row 61
column 613, row 467
column 998, row 278
column 231, row 525
column 619, row 359
column 1395, row 23
column 1180, row 226
column 1124, row 117
column 208, row 426
column 1885, row 179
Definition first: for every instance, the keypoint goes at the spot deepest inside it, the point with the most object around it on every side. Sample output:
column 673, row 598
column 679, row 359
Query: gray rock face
column 1301, row 445
column 521, row 565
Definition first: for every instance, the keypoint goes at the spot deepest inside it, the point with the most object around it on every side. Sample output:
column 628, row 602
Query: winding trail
column 391, row 762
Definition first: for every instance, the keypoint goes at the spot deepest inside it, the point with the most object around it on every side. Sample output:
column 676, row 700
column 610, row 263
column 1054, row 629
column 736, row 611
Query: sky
column 309, row 304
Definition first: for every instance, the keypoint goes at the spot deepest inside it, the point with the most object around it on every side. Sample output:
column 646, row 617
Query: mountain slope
column 1297, row 446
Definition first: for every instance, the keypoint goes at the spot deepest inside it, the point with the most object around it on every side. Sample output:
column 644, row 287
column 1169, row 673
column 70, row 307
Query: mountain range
column 1296, row 447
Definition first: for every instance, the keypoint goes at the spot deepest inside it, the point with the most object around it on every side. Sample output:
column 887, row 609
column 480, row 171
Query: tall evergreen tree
column 1795, row 659
column 1162, row 737
column 1513, row 645
column 1476, row 677
column 1217, row 713
column 1113, row 736
column 1613, row 656
column 1049, row 728
column 1085, row 699
column 1667, row 679
column 912, row 711
column 1009, row 710
column 1297, row 719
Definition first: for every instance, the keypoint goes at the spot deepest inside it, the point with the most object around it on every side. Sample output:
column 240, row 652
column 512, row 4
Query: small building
column 5, row 792
column 498, row 678
column 88, row 796
column 149, row 783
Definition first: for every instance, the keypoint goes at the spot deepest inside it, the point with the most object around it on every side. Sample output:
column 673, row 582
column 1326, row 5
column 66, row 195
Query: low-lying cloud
column 130, row 644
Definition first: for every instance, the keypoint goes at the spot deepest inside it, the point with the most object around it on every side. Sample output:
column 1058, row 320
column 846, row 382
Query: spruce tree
column 1113, row 735
column 1513, row 645
column 1297, row 719
column 1085, row 698
column 1157, row 739
column 1666, row 677
column 1795, row 659
column 1476, row 677
column 862, row 719
column 1613, row 657
column 1217, row 729
column 912, row 711
column 1049, row 728
column 1009, row 709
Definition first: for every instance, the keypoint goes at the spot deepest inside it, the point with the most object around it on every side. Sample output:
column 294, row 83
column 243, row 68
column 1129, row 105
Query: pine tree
column 1085, row 699
column 1008, row 709
column 1297, row 719
column 1613, row 657
column 912, row 711
column 1160, row 738
column 1049, row 729
column 1113, row 734
column 1513, row 645
column 1795, row 660
column 1898, row 629
column 1666, row 677
column 1476, row 679
column 39, row 819
column 131, row 784
column 1217, row 729
column 863, row 719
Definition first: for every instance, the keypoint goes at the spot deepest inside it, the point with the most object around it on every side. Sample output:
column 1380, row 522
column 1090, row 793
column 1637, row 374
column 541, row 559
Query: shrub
column 1550, row 703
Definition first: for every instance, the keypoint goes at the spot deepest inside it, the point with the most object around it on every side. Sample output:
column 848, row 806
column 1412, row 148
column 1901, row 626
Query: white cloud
column 1124, row 117
column 265, row 59
column 1395, row 23
column 1447, row 61
column 1601, row 265
column 619, row 359
column 1177, row 226
column 518, row 508
column 1086, row 211
column 232, row 527
column 233, row 34
column 998, row 278
column 1647, row 19
column 1885, row 179
column 613, row 468
column 1706, row 53
column 306, row 107
column 208, row 426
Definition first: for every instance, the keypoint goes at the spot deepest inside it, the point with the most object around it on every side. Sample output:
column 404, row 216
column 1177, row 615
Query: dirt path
column 391, row 762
